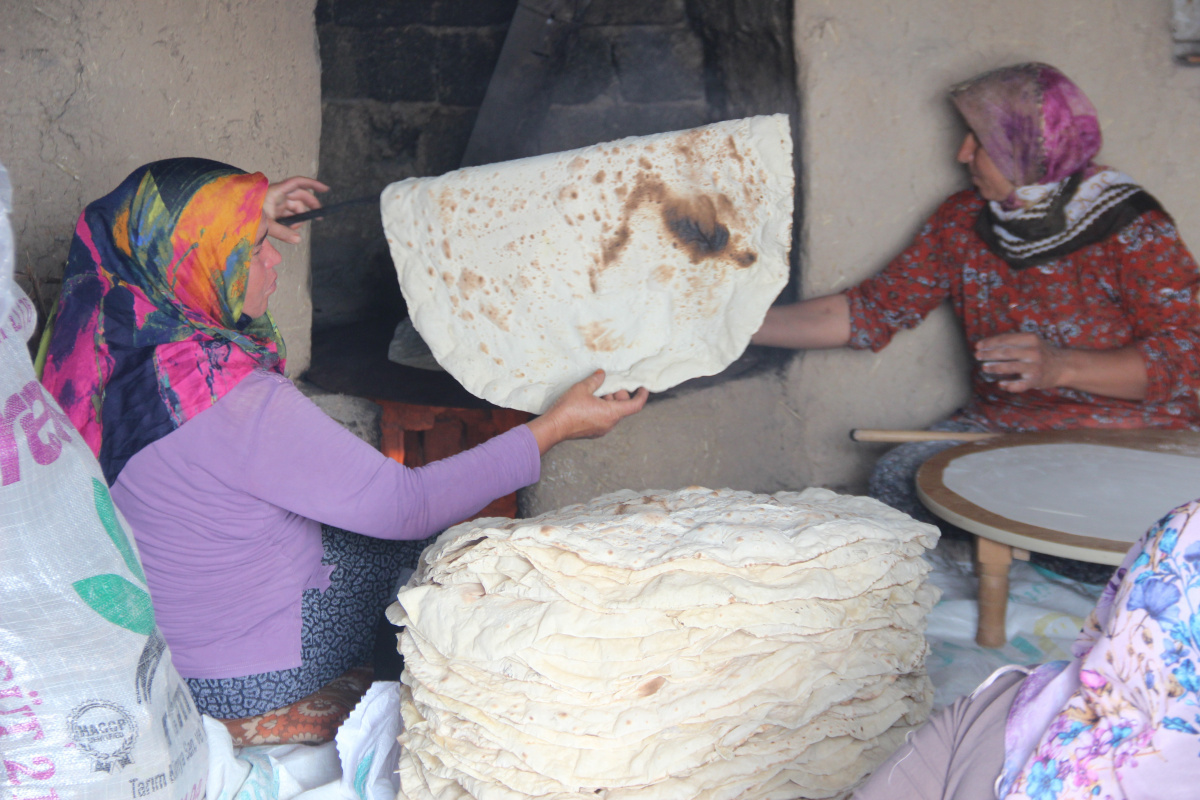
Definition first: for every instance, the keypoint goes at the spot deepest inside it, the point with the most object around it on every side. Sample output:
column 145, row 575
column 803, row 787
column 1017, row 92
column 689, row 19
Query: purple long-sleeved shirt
column 226, row 511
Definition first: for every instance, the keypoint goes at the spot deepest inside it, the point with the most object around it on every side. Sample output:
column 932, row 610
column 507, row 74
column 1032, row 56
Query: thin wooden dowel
column 874, row 435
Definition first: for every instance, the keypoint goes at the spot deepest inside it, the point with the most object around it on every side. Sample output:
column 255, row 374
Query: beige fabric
column 654, row 258
column 690, row 644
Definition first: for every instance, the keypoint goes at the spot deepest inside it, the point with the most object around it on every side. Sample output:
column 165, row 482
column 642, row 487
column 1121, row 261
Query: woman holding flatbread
column 1074, row 290
column 241, row 492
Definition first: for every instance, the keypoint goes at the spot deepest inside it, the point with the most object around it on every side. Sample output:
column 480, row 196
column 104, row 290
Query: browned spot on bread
column 644, row 163
column 650, row 687
column 483, row 347
column 599, row 177
column 733, row 151
column 663, row 273
column 577, row 163
column 498, row 318
column 446, row 248
column 467, row 315
column 599, row 339
column 695, row 225
column 448, row 278
column 611, row 249
column 469, row 282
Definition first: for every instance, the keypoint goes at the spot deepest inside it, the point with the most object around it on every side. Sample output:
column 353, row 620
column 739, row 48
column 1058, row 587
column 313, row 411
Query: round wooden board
column 953, row 507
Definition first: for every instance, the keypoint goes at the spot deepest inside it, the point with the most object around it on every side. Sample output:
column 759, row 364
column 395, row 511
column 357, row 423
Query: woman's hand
column 579, row 414
column 1029, row 362
column 1024, row 360
column 291, row 196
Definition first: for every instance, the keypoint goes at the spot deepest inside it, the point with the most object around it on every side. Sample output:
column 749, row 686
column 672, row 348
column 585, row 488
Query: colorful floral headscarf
column 1037, row 126
column 150, row 330
column 1122, row 720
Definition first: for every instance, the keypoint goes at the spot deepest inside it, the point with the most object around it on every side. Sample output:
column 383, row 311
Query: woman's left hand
column 579, row 414
column 292, row 196
column 1024, row 359
column 1028, row 362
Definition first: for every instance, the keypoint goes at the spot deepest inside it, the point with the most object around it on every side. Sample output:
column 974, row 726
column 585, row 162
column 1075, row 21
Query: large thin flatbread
column 654, row 258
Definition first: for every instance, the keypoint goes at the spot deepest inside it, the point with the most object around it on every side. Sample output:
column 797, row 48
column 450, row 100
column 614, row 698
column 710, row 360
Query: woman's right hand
column 580, row 414
column 287, row 197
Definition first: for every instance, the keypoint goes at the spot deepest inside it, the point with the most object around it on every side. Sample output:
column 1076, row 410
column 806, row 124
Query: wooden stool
column 1071, row 494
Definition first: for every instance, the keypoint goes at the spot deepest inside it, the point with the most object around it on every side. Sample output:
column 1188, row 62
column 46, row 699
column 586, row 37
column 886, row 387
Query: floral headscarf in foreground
column 1123, row 719
column 1042, row 132
column 150, row 330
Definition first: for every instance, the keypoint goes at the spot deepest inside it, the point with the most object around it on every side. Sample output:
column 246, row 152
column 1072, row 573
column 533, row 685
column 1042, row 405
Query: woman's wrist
column 545, row 433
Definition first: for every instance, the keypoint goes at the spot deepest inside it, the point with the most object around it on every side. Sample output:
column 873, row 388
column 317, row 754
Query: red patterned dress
column 1136, row 288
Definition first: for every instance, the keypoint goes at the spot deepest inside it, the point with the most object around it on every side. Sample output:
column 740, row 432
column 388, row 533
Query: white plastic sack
column 368, row 746
column 90, row 706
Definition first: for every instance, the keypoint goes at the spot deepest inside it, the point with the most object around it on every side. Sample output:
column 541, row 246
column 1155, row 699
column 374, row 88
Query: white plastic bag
column 90, row 706
column 369, row 747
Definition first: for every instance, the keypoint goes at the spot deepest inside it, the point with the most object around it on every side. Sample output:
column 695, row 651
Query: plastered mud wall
column 91, row 90
column 877, row 144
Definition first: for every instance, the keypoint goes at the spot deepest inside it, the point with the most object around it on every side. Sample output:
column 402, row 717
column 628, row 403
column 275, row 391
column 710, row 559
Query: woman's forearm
column 810, row 324
column 1111, row 373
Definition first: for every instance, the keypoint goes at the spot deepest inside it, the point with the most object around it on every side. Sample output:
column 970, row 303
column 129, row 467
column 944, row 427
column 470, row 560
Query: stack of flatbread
column 671, row 645
column 654, row 258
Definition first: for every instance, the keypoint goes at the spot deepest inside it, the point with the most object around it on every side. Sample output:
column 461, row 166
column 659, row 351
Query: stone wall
column 93, row 89
column 400, row 85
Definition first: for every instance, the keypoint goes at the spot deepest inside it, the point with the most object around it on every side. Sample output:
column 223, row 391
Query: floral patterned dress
column 1137, row 288
column 1122, row 720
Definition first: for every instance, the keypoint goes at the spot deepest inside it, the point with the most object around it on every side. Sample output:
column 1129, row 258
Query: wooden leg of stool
column 992, row 561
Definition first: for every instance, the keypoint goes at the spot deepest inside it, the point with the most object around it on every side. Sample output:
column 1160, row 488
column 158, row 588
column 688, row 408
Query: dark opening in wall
column 403, row 84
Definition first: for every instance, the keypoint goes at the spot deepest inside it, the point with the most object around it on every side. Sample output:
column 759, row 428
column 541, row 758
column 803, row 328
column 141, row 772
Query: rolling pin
column 875, row 435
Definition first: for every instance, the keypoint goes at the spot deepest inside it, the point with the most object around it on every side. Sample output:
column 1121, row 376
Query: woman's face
column 260, row 284
column 990, row 184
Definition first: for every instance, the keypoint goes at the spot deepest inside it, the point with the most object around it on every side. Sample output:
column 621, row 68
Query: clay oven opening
column 422, row 87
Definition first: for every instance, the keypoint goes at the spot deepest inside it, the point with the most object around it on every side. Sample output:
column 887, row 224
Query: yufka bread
column 653, row 257
column 678, row 645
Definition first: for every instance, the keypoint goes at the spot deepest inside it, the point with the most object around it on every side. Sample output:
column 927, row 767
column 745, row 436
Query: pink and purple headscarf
column 150, row 330
column 1037, row 126
column 1042, row 133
